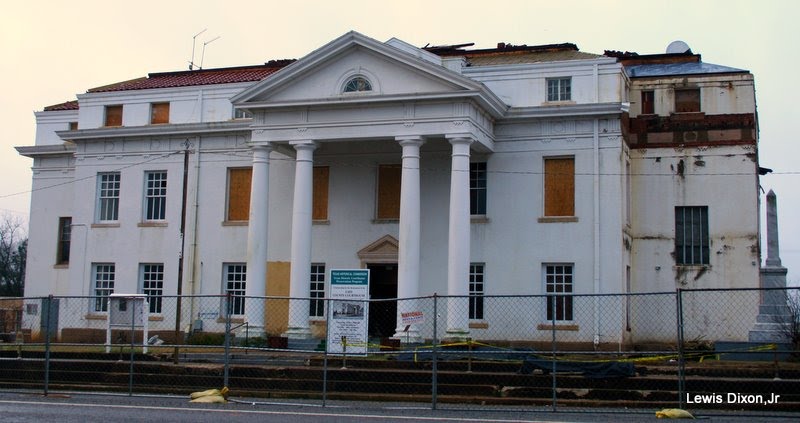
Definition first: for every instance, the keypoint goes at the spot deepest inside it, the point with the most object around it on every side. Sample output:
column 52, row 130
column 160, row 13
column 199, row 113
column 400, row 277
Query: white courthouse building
column 516, row 170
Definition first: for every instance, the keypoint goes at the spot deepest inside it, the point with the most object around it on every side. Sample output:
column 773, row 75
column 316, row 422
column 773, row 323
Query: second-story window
column 155, row 196
column 108, row 185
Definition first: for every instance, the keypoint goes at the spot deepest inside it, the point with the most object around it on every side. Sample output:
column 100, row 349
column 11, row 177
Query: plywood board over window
column 687, row 101
column 113, row 116
column 559, row 186
column 388, row 206
column 159, row 113
column 320, row 203
column 239, row 193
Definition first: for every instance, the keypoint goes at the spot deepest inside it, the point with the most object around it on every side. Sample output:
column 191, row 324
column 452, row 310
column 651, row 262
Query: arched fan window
column 357, row 84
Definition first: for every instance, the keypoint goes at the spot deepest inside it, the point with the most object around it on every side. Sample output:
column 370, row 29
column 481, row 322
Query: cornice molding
column 157, row 130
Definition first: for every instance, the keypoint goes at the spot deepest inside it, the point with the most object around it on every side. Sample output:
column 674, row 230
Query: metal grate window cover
column 691, row 235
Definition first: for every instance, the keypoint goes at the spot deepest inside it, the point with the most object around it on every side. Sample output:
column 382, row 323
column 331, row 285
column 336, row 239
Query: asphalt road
column 17, row 407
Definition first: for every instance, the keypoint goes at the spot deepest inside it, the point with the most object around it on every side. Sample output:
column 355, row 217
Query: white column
column 256, row 285
column 409, row 237
column 300, row 276
column 458, row 249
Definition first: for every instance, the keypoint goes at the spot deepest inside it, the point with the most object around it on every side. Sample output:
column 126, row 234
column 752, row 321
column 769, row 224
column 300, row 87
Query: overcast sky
column 53, row 50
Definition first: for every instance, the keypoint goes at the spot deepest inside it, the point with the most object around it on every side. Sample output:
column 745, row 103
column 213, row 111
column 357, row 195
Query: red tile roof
column 69, row 105
column 198, row 77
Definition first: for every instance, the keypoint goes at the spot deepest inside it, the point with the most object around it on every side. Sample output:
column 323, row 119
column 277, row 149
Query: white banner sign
column 349, row 313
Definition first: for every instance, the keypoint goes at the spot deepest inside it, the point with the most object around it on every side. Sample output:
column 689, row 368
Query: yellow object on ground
column 210, row 396
column 674, row 413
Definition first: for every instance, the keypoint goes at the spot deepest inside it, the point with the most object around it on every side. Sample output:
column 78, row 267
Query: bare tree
column 791, row 328
column 13, row 254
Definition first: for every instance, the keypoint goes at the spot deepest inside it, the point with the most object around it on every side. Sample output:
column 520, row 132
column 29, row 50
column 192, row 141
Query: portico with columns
column 307, row 108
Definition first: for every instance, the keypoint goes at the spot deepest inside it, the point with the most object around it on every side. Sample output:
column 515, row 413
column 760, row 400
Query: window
column 151, row 281
column 317, row 291
column 559, row 186
column 320, row 202
column 159, row 113
column 389, row 177
column 239, row 194
column 691, row 236
column 242, row 114
column 113, row 116
column 357, row 84
column 648, row 102
column 108, row 197
column 559, row 89
column 476, row 291
column 103, row 285
column 558, row 285
column 64, row 237
column 73, row 126
column 477, row 188
column 235, row 284
column 687, row 101
column 155, row 196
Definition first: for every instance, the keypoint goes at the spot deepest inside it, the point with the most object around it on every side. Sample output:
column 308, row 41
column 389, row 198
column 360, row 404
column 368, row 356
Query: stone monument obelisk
column 773, row 312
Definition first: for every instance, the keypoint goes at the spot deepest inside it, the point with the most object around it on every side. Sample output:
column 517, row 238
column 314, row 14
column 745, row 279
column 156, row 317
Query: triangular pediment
column 392, row 68
column 385, row 249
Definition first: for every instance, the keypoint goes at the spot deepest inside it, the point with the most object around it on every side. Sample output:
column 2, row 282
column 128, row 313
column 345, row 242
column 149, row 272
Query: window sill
column 558, row 219
column 317, row 322
column 478, row 325
column 158, row 318
column 559, row 103
column 105, row 225
column 548, row 326
column 61, row 266
column 685, row 267
column 96, row 317
column 321, row 222
column 152, row 224
column 479, row 218
column 235, row 222
column 379, row 221
column 234, row 320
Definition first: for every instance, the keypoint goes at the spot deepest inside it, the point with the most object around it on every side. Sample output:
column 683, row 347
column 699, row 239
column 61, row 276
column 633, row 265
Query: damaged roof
column 673, row 69
column 506, row 54
column 197, row 77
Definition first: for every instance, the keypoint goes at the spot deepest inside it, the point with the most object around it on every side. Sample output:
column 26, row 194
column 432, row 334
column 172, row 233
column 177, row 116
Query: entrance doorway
column 382, row 285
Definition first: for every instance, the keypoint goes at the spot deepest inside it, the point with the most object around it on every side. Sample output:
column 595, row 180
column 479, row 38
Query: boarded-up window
column 648, row 102
column 687, row 101
column 389, row 191
column 320, row 203
column 113, row 116
column 559, row 186
column 239, row 193
column 159, row 113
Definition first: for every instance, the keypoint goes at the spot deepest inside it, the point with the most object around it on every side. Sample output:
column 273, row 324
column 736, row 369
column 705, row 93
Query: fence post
column 434, row 370
column 327, row 303
column 681, row 364
column 49, row 301
column 226, row 366
column 553, row 300
column 133, row 343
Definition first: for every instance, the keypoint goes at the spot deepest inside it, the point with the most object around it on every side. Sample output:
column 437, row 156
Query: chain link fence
column 696, row 349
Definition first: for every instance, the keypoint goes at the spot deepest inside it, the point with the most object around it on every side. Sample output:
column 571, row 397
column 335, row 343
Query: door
column 382, row 286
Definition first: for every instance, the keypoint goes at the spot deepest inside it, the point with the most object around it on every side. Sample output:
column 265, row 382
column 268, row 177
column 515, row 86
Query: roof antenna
column 203, row 55
column 191, row 62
